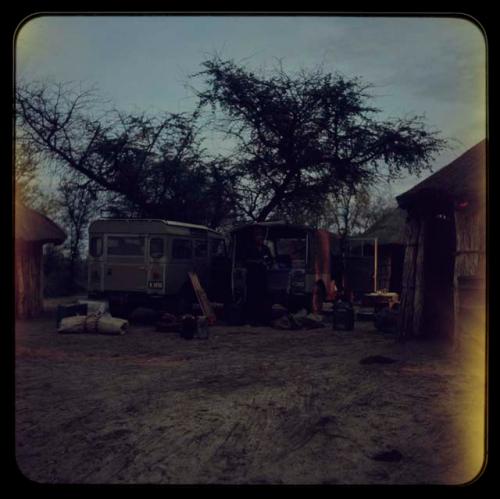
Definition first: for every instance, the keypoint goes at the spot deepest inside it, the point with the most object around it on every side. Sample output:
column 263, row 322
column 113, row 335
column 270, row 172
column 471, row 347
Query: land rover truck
column 145, row 262
column 301, row 271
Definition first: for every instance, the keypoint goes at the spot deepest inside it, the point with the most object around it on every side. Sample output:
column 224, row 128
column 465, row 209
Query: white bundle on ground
column 94, row 323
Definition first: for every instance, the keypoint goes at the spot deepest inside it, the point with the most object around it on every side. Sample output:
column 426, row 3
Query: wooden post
column 205, row 305
column 409, row 318
column 419, row 280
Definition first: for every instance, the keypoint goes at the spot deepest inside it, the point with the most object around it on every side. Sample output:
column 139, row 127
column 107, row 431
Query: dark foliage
column 302, row 137
column 297, row 139
column 155, row 165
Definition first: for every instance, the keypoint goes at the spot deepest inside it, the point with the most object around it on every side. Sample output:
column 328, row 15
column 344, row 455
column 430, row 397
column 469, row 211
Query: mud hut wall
column 413, row 279
column 470, row 262
column 28, row 279
column 470, row 243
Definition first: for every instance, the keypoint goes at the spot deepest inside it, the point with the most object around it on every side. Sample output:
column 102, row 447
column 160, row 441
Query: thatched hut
column 389, row 231
column 32, row 231
column 444, row 270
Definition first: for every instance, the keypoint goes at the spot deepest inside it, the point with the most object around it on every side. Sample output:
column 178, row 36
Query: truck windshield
column 287, row 245
column 125, row 246
column 291, row 252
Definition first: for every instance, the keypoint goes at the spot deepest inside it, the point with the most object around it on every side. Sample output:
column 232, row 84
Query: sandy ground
column 247, row 406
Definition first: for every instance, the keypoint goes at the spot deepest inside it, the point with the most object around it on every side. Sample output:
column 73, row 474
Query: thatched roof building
column 463, row 179
column 390, row 228
column 32, row 226
column 445, row 259
column 31, row 231
column 390, row 233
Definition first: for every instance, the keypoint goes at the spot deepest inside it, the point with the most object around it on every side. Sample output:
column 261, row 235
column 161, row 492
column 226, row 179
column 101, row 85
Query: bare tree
column 154, row 164
column 27, row 188
column 346, row 213
column 298, row 140
column 25, row 174
column 352, row 212
column 77, row 202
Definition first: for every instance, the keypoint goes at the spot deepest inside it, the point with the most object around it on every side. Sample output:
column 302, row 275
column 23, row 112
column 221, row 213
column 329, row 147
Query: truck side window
column 96, row 246
column 125, row 246
column 182, row 249
column 156, row 248
column 200, row 249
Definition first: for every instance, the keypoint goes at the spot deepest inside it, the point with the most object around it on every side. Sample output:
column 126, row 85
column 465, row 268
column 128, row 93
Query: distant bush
column 57, row 279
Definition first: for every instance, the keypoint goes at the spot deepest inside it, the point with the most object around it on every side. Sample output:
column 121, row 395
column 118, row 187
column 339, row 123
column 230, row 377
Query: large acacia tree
column 298, row 139
column 301, row 137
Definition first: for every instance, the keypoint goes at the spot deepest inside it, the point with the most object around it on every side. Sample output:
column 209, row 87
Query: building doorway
column 397, row 263
column 439, row 263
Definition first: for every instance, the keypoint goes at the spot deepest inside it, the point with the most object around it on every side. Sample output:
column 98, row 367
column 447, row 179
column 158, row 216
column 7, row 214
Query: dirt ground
column 250, row 405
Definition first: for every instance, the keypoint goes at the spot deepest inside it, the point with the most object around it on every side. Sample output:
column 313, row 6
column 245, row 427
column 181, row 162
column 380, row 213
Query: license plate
column 155, row 284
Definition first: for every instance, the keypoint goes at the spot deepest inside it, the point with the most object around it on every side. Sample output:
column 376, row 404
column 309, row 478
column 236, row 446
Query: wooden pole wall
column 413, row 280
column 470, row 244
column 470, row 262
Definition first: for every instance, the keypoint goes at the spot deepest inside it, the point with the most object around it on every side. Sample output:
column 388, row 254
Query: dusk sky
column 432, row 66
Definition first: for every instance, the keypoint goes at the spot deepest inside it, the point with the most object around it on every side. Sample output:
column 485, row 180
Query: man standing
column 258, row 260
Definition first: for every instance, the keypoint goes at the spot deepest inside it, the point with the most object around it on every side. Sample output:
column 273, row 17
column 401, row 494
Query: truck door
column 95, row 263
column 125, row 266
column 219, row 280
column 180, row 262
column 201, row 261
column 156, row 264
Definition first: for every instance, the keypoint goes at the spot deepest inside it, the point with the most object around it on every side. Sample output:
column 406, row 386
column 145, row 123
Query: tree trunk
column 74, row 258
column 265, row 212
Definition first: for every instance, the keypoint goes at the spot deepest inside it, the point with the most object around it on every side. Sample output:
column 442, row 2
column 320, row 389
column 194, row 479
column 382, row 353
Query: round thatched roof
column 32, row 226
column 390, row 229
column 463, row 178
